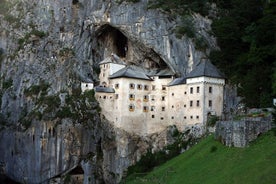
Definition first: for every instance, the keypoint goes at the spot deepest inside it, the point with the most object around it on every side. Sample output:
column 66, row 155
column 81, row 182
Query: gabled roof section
column 205, row 68
column 101, row 89
column 178, row 81
column 161, row 72
column 113, row 59
column 131, row 72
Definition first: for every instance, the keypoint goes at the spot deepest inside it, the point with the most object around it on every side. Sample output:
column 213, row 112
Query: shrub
column 212, row 119
column 7, row 84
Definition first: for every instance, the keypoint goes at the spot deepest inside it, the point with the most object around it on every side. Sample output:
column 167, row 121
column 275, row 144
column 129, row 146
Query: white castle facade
column 146, row 102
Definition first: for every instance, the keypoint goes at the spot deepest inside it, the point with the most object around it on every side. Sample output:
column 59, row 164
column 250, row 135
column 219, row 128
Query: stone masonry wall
column 240, row 133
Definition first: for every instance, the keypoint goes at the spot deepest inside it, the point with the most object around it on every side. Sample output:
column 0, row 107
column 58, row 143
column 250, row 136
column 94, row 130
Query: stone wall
column 240, row 133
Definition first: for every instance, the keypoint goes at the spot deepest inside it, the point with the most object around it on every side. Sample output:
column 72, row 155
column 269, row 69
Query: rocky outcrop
column 47, row 47
column 241, row 133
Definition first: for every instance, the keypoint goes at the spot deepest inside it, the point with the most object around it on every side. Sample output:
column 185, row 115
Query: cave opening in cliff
column 113, row 40
column 75, row 2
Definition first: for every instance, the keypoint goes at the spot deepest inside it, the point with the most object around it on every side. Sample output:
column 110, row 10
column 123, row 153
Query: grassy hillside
column 211, row 162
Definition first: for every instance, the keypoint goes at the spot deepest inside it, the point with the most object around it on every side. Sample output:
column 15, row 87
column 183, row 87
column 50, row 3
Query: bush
column 212, row 119
column 35, row 89
column 7, row 84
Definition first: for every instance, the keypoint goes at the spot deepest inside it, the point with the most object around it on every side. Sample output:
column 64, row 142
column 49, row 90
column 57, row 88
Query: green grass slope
column 211, row 162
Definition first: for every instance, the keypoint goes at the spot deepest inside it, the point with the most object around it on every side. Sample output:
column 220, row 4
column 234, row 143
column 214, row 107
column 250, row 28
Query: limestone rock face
column 47, row 47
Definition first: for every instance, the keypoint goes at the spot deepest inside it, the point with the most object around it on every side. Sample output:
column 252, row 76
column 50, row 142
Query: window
column 197, row 89
column 197, row 117
column 152, row 98
column 146, row 87
column 172, row 94
column 139, row 86
column 197, row 103
column 116, row 96
column 185, row 117
column 152, row 108
column 131, row 86
column 163, row 108
column 131, row 107
column 161, row 118
column 185, row 93
column 152, row 116
column 172, row 106
column 153, row 87
column 210, row 89
column 163, row 87
column 191, row 90
column 191, row 117
column 172, row 117
column 104, row 97
column 145, row 109
column 146, row 98
column 103, row 74
column 185, row 105
column 131, row 97
column 117, row 86
column 191, row 103
column 163, row 98
column 210, row 103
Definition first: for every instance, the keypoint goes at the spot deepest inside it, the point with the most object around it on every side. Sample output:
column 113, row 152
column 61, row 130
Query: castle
column 147, row 101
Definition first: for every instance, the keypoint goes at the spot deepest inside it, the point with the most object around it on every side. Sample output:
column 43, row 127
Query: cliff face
column 46, row 49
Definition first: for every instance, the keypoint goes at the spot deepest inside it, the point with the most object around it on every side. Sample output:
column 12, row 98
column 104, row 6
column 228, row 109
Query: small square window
column 152, row 116
column 191, row 103
column 172, row 117
column 163, row 98
column 153, row 87
column 131, row 97
column 172, row 106
column 184, row 105
column 131, row 108
column 163, row 108
column 191, row 90
column 197, row 89
column 152, row 108
column 146, row 87
column 116, row 96
column 139, row 86
column 185, row 93
column 197, row 103
column 197, row 117
column 146, row 98
column 117, row 86
column 131, row 86
column 163, row 87
column 172, row 94
column 145, row 109
column 185, row 117
column 191, row 117
column 161, row 118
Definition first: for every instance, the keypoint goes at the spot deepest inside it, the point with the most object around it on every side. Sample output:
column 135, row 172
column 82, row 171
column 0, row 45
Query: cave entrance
column 113, row 40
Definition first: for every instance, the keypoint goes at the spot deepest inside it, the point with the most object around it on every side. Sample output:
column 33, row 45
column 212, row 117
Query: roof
column 101, row 89
column 178, row 81
column 161, row 72
column 131, row 72
column 113, row 59
column 205, row 68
